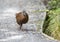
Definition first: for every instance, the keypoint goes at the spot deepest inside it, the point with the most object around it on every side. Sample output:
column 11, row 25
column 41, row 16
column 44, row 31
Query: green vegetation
column 52, row 22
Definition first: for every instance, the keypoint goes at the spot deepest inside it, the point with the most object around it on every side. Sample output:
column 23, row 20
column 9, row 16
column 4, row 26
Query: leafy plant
column 52, row 21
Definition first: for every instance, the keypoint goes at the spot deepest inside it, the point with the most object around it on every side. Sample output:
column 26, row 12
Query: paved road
column 9, row 29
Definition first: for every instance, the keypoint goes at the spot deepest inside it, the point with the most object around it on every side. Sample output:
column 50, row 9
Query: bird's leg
column 20, row 25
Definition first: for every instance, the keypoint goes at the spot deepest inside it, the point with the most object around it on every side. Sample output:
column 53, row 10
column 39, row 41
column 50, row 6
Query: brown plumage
column 22, row 18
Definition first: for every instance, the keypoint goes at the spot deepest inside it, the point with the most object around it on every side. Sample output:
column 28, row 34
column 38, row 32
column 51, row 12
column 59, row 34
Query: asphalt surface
column 9, row 29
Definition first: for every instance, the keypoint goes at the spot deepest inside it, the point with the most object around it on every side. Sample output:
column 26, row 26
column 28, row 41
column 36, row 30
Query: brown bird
column 22, row 18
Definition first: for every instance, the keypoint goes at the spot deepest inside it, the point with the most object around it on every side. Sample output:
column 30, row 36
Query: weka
column 22, row 18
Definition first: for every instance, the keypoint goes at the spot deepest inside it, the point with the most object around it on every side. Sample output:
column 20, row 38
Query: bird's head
column 24, row 13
